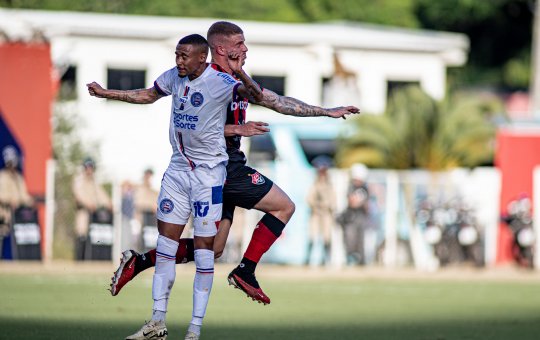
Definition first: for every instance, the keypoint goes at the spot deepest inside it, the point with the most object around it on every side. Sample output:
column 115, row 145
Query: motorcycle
column 149, row 234
column 20, row 233
column 519, row 220
column 452, row 231
column 97, row 244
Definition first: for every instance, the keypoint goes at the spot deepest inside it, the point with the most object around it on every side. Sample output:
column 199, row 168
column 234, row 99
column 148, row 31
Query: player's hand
column 342, row 111
column 236, row 61
column 253, row 129
column 95, row 89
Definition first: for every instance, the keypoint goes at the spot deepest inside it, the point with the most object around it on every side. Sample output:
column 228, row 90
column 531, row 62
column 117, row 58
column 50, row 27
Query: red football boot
column 248, row 284
column 124, row 273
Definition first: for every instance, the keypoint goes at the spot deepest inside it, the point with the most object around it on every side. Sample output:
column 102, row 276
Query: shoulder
column 169, row 75
column 219, row 77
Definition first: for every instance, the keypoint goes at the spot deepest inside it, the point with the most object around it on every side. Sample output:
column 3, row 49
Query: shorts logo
column 257, row 178
column 166, row 206
column 200, row 209
column 197, row 99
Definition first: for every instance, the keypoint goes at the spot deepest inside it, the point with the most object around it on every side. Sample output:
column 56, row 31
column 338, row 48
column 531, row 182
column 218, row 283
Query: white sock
column 202, row 284
column 195, row 328
column 164, row 276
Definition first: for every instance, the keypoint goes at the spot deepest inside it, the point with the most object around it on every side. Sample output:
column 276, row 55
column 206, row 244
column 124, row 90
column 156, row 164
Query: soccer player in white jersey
column 245, row 187
column 194, row 179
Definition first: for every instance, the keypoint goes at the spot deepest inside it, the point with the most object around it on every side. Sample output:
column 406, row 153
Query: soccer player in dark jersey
column 244, row 187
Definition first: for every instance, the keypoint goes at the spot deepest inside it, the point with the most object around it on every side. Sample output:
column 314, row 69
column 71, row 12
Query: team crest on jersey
column 257, row 178
column 166, row 206
column 197, row 99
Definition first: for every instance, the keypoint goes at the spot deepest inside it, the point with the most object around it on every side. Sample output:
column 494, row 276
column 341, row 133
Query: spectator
column 321, row 199
column 13, row 192
column 89, row 197
column 145, row 197
column 130, row 227
column 355, row 218
column 145, row 202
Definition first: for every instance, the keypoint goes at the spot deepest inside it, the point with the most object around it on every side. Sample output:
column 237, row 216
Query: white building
column 295, row 58
column 328, row 64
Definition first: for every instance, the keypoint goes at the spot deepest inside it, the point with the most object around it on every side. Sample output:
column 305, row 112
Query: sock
column 195, row 328
column 265, row 234
column 158, row 315
column 147, row 260
column 164, row 275
column 202, row 284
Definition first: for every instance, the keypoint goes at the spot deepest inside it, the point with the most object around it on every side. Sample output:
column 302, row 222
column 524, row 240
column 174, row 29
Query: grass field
column 68, row 302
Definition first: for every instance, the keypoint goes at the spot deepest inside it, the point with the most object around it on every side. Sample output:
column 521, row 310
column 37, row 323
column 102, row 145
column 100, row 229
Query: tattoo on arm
column 140, row 96
column 253, row 90
column 290, row 106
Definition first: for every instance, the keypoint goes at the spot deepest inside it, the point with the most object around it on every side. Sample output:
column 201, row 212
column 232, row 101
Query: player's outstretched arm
column 294, row 107
column 140, row 96
column 246, row 130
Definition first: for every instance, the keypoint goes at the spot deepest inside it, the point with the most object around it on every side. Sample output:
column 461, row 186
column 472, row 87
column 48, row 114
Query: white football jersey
column 198, row 114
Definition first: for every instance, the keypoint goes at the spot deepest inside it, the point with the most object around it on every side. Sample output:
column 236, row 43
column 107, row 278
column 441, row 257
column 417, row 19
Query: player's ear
column 220, row 50
column 202, row 57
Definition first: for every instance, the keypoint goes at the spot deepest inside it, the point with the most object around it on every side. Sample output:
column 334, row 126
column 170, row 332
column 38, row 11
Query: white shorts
column 198, row 191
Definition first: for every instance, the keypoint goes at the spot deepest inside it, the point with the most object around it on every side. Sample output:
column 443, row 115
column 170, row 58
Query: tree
column 68, row 153
column 500, row 33
column 417, row 132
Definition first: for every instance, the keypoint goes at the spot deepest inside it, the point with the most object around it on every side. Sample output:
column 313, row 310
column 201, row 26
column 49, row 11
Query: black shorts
column 244, row 187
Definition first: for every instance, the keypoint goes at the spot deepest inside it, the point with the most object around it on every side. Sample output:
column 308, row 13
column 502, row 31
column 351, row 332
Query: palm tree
column 417, row 132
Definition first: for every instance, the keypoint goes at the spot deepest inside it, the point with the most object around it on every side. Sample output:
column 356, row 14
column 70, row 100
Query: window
column 68, row 84
column 276, row 84
column 262, row 149
column 118, row 79
column 315, row 147
column 393, row 86
column 324, row 89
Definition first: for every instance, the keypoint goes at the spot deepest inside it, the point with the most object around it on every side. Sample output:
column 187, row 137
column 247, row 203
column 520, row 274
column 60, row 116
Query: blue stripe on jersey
column 217, row 195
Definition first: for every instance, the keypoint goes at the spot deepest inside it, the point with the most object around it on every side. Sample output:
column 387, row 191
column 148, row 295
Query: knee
column 290, row 208
column 203, row 243
column 218, row 250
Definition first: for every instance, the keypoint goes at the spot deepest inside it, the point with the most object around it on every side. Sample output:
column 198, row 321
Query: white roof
column 336, row 34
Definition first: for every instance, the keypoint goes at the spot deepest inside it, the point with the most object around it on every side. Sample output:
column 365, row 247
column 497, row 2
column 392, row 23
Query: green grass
column 77, row 306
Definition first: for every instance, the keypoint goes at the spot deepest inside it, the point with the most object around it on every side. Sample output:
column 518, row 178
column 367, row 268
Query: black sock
column 246, row 265
column 144, row 261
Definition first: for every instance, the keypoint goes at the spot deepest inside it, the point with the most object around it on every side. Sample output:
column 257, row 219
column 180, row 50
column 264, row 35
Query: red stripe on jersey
column 191, row 164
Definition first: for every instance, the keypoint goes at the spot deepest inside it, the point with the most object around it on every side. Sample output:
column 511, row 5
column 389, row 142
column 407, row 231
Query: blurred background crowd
column 441, row 168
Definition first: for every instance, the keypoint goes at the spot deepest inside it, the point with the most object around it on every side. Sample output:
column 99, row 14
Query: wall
column 26, row 94
column 518, row 152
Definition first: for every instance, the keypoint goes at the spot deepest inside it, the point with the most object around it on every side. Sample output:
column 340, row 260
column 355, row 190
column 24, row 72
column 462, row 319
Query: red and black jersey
column 236, row 115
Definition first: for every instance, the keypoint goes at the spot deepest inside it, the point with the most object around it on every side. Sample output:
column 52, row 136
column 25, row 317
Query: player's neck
column 223, row 64
column 197, row 72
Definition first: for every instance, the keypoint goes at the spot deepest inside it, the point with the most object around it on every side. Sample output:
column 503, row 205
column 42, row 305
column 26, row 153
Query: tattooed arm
column 294, row 107
column 140, row 96
column 249, row 88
